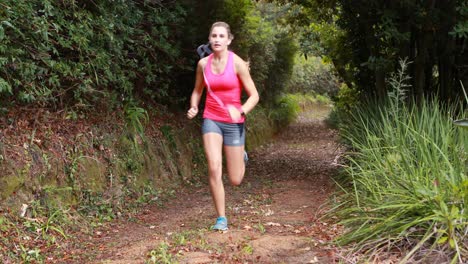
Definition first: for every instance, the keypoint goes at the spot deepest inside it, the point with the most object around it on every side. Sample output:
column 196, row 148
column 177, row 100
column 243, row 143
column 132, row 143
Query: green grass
column 169, row 251
column 289, row 106
column 31, row 238
column 407, row 167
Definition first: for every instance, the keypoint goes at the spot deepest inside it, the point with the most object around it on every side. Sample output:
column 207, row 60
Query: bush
column 60, row 53
column 312, row 75
column 409, row 178
column 285, row 110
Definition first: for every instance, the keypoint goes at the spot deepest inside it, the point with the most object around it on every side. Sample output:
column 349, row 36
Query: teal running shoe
column 221, row 224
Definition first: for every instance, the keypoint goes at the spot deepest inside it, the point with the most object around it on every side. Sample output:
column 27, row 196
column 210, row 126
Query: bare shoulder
column 238, row 60
column 202, row 62
column 240, row 64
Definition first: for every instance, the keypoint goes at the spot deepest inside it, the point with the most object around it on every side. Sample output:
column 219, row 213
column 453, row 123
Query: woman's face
column 219, row 39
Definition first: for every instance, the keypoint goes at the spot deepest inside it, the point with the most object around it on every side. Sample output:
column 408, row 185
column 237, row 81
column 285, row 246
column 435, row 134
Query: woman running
column 224, row 74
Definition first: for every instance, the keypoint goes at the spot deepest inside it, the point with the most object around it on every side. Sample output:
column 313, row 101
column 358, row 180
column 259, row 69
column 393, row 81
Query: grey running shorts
column 233, row 133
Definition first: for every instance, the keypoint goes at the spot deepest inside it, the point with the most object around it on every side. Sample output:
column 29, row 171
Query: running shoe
column 221, row 224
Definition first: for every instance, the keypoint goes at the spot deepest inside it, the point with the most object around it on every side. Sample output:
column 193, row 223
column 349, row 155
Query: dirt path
column 274, row 215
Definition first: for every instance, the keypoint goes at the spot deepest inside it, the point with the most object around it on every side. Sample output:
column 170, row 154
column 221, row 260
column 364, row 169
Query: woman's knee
column 236, row 182
column 237, row 179
column 214, row 167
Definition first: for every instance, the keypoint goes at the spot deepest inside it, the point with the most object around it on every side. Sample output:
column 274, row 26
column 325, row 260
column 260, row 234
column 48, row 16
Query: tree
column 375, row 35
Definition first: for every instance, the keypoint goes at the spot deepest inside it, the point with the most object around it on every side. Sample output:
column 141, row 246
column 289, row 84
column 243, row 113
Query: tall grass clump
column 408, row 175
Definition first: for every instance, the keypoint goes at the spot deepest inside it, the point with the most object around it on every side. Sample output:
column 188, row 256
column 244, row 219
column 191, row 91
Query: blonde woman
column 225, row 75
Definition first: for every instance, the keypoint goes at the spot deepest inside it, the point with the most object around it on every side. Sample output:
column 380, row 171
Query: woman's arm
column 243, row 72
column 197, row 90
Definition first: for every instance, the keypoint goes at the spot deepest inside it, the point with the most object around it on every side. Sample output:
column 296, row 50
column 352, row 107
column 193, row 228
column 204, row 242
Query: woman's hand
column 235, row 113
column 192, row 112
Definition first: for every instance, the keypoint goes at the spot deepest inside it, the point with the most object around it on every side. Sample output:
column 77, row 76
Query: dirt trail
column 274, row 215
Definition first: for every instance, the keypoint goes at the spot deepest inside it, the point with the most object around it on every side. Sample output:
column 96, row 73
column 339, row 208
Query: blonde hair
column 224, row 25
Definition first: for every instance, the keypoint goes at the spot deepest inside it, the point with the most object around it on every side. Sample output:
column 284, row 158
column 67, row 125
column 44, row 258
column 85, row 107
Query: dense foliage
column 313, row 75
column 78, row 53
column 260, row 40
column 366, row 39
column 409, row 179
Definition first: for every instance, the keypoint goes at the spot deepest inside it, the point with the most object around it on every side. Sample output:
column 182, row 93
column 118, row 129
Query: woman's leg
column 235, row 163
column 213, row 150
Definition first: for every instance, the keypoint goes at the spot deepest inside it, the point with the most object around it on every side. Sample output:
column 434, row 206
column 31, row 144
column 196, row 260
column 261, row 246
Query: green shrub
column 57, row 53
column 409, row 178
column 346, row 100
column 312, row 75
column 285, row 110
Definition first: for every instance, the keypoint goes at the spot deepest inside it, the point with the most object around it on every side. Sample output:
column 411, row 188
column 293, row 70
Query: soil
column 277, row 215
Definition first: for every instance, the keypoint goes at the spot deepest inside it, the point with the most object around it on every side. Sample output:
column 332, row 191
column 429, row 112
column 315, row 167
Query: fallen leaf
column 247, row 202
column 268, row 212
column 314, row 260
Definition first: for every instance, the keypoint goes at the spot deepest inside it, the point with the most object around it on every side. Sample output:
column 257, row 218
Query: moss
column 182, row 155
column 259, row 132
column 58, row 196
column 10, row 184
column 92, row 175
column 151, row 169
column 165, row 156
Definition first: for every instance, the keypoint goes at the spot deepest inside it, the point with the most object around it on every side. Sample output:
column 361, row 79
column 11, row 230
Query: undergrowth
column 44, row 232
column 409, row 186
column 287, row 107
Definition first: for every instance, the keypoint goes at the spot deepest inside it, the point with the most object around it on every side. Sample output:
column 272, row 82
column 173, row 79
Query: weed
column 29, row 239
column 135, row 118
column 93, row 205
column 148, row 195
column 261, row 228
column 168, row 133
column 247, row 249
column 161, row 255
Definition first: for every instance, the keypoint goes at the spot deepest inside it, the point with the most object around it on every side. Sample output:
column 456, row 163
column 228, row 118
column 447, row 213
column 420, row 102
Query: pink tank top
column 227, row 87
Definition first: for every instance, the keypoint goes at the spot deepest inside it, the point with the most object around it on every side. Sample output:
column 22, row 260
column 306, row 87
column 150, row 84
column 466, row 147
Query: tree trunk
column 419, row 67
column 342, row 72
column 423, row 45
column 446, row 51
column 380, row 85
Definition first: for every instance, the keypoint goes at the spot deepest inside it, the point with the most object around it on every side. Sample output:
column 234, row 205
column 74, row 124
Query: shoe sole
column 219, row 229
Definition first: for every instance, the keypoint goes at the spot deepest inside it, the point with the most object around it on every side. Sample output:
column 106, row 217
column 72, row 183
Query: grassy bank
column 407, row 169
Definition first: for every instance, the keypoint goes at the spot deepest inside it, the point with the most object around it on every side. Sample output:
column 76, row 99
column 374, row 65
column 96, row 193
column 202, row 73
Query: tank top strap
column 230, row 63
column 208, row 64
